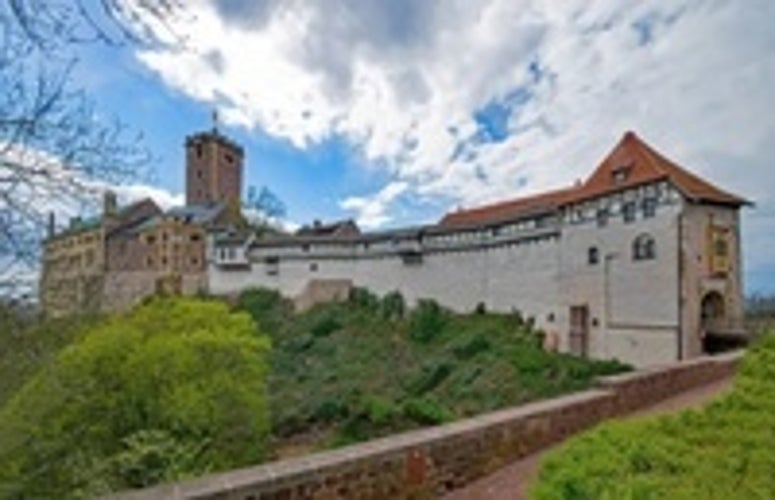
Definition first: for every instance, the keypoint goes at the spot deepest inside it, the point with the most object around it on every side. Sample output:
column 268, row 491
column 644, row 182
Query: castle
column 113, row 261
column 640, row 262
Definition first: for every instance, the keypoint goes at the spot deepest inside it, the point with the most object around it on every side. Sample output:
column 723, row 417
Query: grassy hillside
column 724, row 451
column 344, row 372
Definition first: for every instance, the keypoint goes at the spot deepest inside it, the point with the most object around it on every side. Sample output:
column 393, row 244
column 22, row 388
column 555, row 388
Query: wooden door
column 579, row 330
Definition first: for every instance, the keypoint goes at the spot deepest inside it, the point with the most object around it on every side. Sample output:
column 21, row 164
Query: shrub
column 472, row 347
column 363, row 299
column 427, row 321
column 172, row 389
column 430, row 379
column 425, row 411
column 393, row 306
column 723, row 451
column 325, row 325
column 268, row 309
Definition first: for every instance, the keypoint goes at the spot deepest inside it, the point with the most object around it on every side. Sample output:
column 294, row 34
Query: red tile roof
column 631, row 163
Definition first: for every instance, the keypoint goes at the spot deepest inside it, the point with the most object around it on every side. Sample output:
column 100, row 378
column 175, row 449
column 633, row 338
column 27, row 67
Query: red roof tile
column 631, row 163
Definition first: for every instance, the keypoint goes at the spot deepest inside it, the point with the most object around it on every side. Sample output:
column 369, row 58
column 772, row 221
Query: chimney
column 109, row 204
column 51, row 224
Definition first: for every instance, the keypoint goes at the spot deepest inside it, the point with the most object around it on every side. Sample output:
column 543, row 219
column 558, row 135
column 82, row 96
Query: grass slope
column 725, row 451
column 345, row 372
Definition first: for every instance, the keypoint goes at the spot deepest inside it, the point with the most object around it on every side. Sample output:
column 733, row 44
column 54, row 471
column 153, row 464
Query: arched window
column 644, row 248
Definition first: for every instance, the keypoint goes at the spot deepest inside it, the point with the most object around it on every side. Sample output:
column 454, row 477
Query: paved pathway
column 510, row 482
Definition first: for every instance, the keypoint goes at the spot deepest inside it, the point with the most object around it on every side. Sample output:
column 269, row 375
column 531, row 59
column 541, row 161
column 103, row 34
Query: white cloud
column 373, row 210
column 130, row 193
column 402, row 80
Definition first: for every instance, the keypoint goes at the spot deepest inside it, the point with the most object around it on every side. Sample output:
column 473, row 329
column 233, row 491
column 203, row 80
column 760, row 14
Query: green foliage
column 267, row 308
column 427, row 321
column 325, row 325
column 362, row 298
column 426, row 411
column 723, row 451
column 430, row 378
column 175, row 388
column 393, row 306
column 345, row 372
column 28, row 343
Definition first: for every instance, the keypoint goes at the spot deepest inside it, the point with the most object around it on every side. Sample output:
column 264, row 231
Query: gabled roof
column 631, row 163
column 638, row 163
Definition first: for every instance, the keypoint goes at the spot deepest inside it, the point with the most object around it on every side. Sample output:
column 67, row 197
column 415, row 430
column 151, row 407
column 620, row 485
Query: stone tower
column 213, row 169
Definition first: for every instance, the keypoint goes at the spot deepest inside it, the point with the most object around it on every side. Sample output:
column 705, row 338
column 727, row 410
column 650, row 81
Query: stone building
column 113, row 261
column 640, row 262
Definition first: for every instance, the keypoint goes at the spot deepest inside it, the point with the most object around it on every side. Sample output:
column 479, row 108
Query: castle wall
column 518, row 276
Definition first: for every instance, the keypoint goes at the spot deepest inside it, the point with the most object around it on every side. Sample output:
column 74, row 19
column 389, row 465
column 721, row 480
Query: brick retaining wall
column 430, row 462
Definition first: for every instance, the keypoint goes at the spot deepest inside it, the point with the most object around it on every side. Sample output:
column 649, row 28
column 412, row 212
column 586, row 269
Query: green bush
column 172, row 389
column 393, row 306
column 427, row 321
column 268, row 309
column 325, row 325
column 425, row 411
column 364, row 299
column 723, row 451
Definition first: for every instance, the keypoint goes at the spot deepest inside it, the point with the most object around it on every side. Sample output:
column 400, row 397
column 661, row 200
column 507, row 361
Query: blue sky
column 394, row 112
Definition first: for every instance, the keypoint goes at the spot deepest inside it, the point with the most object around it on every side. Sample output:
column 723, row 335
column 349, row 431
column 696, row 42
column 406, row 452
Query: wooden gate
column 579, row 330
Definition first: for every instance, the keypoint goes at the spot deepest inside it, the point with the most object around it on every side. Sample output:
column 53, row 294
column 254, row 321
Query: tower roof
column 631, row 163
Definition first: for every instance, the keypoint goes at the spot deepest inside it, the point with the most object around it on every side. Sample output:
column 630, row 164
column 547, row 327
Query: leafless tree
column 55, row 152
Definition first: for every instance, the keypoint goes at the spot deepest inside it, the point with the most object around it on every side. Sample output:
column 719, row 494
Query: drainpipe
column 680, row 334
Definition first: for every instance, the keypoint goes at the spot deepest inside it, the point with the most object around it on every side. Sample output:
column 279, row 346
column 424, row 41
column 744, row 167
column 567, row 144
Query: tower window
column 199, row 150
column 198, row 174
column 229, row 158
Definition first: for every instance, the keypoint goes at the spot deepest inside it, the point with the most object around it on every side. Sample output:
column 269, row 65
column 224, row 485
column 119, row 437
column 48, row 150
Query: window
column 602, row 217
column 593, row 256
column 199, row 150
column 721, row 248
column 195, row 237
column 649, row 207
column 198, row 174
column 644, row 248
column 313, row 266
column 150, row 239
column 628, row 212
column 620, row 174
column 232, row 254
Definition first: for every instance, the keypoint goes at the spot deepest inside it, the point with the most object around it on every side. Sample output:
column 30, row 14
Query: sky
column 394, row 112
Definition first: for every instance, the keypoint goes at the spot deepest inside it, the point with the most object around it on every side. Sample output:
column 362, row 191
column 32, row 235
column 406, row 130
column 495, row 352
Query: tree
column 173, row 389
column 54, row 153
column 264, row 210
